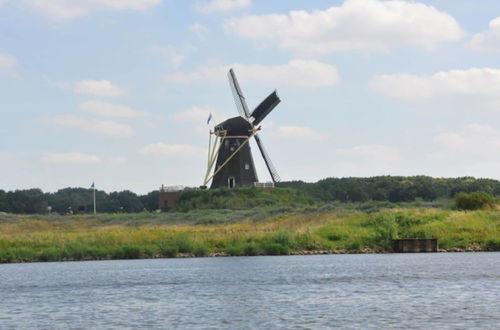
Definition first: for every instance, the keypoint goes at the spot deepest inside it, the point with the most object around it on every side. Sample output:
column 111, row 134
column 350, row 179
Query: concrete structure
column 406, row 245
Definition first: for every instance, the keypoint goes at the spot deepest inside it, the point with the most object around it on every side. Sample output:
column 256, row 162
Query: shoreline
column 226, row 255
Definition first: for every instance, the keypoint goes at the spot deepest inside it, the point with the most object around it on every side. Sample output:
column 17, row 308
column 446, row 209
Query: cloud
column 488, row 40
column 370, row 153
column 101, row 127
column 296, row 73
column 172, row 150
column 355, row 25
column 7, row 62
column 176, row 55
column 474, row 143
column 200, row 30
column 111, row 110
column 473, row 83
column 102, row 88
column 194, row 114
column 70, row 158
column 71, row 9
column 215, row 6
column 300, row 133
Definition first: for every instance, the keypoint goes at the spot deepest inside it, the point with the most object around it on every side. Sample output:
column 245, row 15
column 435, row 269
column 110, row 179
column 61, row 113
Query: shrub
column 234, row 250
column 6, row 256
column 251, row 249
column 128, row 252
column 386, row 229
column 50, row 254
column 283, row 237
column 184, row 243
column 493, row 245
column 473, row 201
column 169, row 251
column 200, row 250
column 274, row 249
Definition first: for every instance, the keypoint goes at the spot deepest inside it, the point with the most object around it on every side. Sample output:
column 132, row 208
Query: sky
column 118, row 92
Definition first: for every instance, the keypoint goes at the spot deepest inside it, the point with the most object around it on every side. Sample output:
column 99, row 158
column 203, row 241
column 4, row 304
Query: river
column 435, row 290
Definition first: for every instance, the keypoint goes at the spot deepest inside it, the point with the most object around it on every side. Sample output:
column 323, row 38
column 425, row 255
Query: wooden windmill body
column 229, row 148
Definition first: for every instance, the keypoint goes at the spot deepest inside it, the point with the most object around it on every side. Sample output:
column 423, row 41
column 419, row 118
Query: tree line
column 380, row 188
column 75, row 200
column 394, row 188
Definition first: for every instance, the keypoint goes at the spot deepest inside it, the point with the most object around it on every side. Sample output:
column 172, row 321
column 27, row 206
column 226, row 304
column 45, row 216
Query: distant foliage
column 374, row 193
column 474, row 201
column 394, row 189
column 240, row 198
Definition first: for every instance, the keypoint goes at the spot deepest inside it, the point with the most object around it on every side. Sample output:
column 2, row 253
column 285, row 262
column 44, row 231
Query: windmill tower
column 229, row 147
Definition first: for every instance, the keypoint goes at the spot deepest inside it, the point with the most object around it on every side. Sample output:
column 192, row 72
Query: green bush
column 169, row 251
column 234, row 250
column 283, row 237
column 200, row 250
column 474, row 201
column 50, row 254
column 184, row 243
column 251, row 249
column 386, row 229
column 275, row 249
column 493, row 245
column 127, row 252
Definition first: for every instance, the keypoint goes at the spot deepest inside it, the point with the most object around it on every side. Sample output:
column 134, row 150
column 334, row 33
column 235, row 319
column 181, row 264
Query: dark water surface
column 455, row 291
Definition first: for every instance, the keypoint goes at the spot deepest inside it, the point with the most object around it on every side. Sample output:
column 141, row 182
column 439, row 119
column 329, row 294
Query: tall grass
column 278, row 231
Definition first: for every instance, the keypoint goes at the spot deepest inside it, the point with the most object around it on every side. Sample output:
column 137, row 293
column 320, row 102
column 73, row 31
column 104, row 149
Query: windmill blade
column 239, row 99
column 265, row 107
column 274, row 174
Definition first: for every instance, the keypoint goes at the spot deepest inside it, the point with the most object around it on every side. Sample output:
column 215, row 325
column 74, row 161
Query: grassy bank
column 250, row 232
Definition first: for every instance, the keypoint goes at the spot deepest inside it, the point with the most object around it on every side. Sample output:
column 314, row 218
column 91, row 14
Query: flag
column 209, row 118
column 93, row 185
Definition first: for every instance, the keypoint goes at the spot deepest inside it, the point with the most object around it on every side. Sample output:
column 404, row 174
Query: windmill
column 229, row 147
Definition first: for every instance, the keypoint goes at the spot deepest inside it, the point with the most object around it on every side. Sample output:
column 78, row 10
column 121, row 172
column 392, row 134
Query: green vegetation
column 393, row 188
column 474, row 201
column 240, row 198
column 267, row 230
column 380, row 190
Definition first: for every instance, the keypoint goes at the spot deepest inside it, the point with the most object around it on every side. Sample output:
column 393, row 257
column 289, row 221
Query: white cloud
column 71, row 9
column 70, row 158
column 172, row 150
column 488, row 40
column 370, row 153
column 111, row 110
column 296, row 73
column 213, row 6
column 102, row 88
column 474, row 143
column 199, row 29
column 176, row 55
column 355, row 25
column 476, row 83
column 7, row 62
column 101, row 127
column 303, row 133
column 194, row 114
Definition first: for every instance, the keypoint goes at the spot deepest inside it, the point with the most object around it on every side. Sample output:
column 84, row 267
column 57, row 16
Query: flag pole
column 94, row 198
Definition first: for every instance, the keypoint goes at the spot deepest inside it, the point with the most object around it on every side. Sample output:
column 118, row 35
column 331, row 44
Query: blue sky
column 118, row 91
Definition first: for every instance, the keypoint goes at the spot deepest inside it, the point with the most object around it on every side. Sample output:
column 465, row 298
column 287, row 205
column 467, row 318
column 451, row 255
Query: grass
column 260, row 231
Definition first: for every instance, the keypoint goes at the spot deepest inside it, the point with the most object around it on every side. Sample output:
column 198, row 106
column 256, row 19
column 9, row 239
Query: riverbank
column 291, row 231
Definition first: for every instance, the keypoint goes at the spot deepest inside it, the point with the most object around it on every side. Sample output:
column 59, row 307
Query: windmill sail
column 239, row 99
column 265, row 107
column 272, row 171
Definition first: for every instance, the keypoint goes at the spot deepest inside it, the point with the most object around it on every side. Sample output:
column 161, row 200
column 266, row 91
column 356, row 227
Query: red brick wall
column 168, row 198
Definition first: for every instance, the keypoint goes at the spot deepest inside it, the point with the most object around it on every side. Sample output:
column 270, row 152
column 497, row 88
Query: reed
column 118, row 236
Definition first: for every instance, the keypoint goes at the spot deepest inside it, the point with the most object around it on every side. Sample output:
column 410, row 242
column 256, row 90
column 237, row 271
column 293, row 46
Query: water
column 455, row 290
